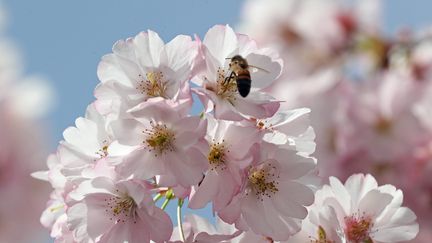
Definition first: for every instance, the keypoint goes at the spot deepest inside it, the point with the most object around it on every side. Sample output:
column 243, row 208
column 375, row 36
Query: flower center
column 322, row 236
column 160, row 139
column 383, row 126
column 262, row 181
column 103, row 152
column 216, row 156
column 264, row 125
column 225, row 89
column 121, row 209
column 153, row 85
column 358, row 228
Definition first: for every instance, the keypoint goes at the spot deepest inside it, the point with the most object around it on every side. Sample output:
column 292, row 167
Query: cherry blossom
column 289, row 127
column 359, row 211
column 109, row 211
column 166, row 143
column 252, row 156
column 90, row 138
column 272, row 202
column 228, row 155
column 144, row 67
column 219, row 45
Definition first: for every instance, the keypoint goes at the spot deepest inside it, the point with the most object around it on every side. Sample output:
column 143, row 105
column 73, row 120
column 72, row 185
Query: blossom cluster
column 369, row 91
column 139, row 144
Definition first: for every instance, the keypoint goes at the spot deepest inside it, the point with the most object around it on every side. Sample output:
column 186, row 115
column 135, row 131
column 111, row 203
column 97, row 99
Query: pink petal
column 98, row 221
column 255, row 216
column 128, row 131
column 231, row 213
column 158, row 224
column 292, row 199
column 221, row 41
column 262, row 79
column 281, row 227
column 374, row 202
column 205, row 192
column 148, row 48
column 180, row 53
column 142, row 164
column 185, row 174
column 227, row 189
column 117, row 233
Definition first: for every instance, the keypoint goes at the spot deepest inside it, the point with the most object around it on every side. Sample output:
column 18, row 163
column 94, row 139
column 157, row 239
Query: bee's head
column 239, row 61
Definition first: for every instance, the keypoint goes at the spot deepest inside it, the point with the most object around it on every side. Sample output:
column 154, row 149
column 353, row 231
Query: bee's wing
column 263, row 70
column 253, row 69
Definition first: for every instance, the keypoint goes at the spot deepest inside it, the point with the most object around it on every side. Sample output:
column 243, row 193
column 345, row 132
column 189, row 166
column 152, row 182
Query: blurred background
column 50, row 50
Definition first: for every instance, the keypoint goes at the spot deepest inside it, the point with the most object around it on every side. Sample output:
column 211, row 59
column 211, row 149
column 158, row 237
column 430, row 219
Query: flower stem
column 157, row 197
column 169, row 195
column 165, row 203
column 179, row 219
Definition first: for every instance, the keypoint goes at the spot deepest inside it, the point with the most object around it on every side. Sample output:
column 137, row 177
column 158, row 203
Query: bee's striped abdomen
column 243, row 83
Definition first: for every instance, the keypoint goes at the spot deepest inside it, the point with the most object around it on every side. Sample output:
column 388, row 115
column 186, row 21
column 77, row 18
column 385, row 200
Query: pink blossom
column 273, row 199
column 86, row 150
column 109, row 211
column 220, row 44
column 90, row 138
column 144, row 67
column 358, row 211
column 290, row 128
column 228, row 155
column 54, row 217
column 165, row 141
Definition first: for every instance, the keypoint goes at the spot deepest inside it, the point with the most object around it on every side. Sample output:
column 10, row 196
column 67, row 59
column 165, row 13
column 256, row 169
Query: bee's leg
column 227, row 79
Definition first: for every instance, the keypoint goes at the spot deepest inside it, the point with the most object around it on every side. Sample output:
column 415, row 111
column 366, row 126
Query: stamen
column 264, row 125
column 225, row 89
column 262, row 181
column 154, row 85
column 216, row 156
column 358, row 228
column 103, row 152
column 121, row 209
column 160, row 138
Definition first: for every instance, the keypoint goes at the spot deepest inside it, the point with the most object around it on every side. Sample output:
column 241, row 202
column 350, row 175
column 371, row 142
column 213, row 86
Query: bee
column 239, row 68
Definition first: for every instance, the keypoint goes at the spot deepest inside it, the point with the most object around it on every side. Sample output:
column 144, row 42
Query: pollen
column 153, row 84
column 216, row 156
column 263, row 181
column 103, row 152
column 121, row 209
column 160, row 138
column 226, row 89
column 264, row 125
column 357, row 228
